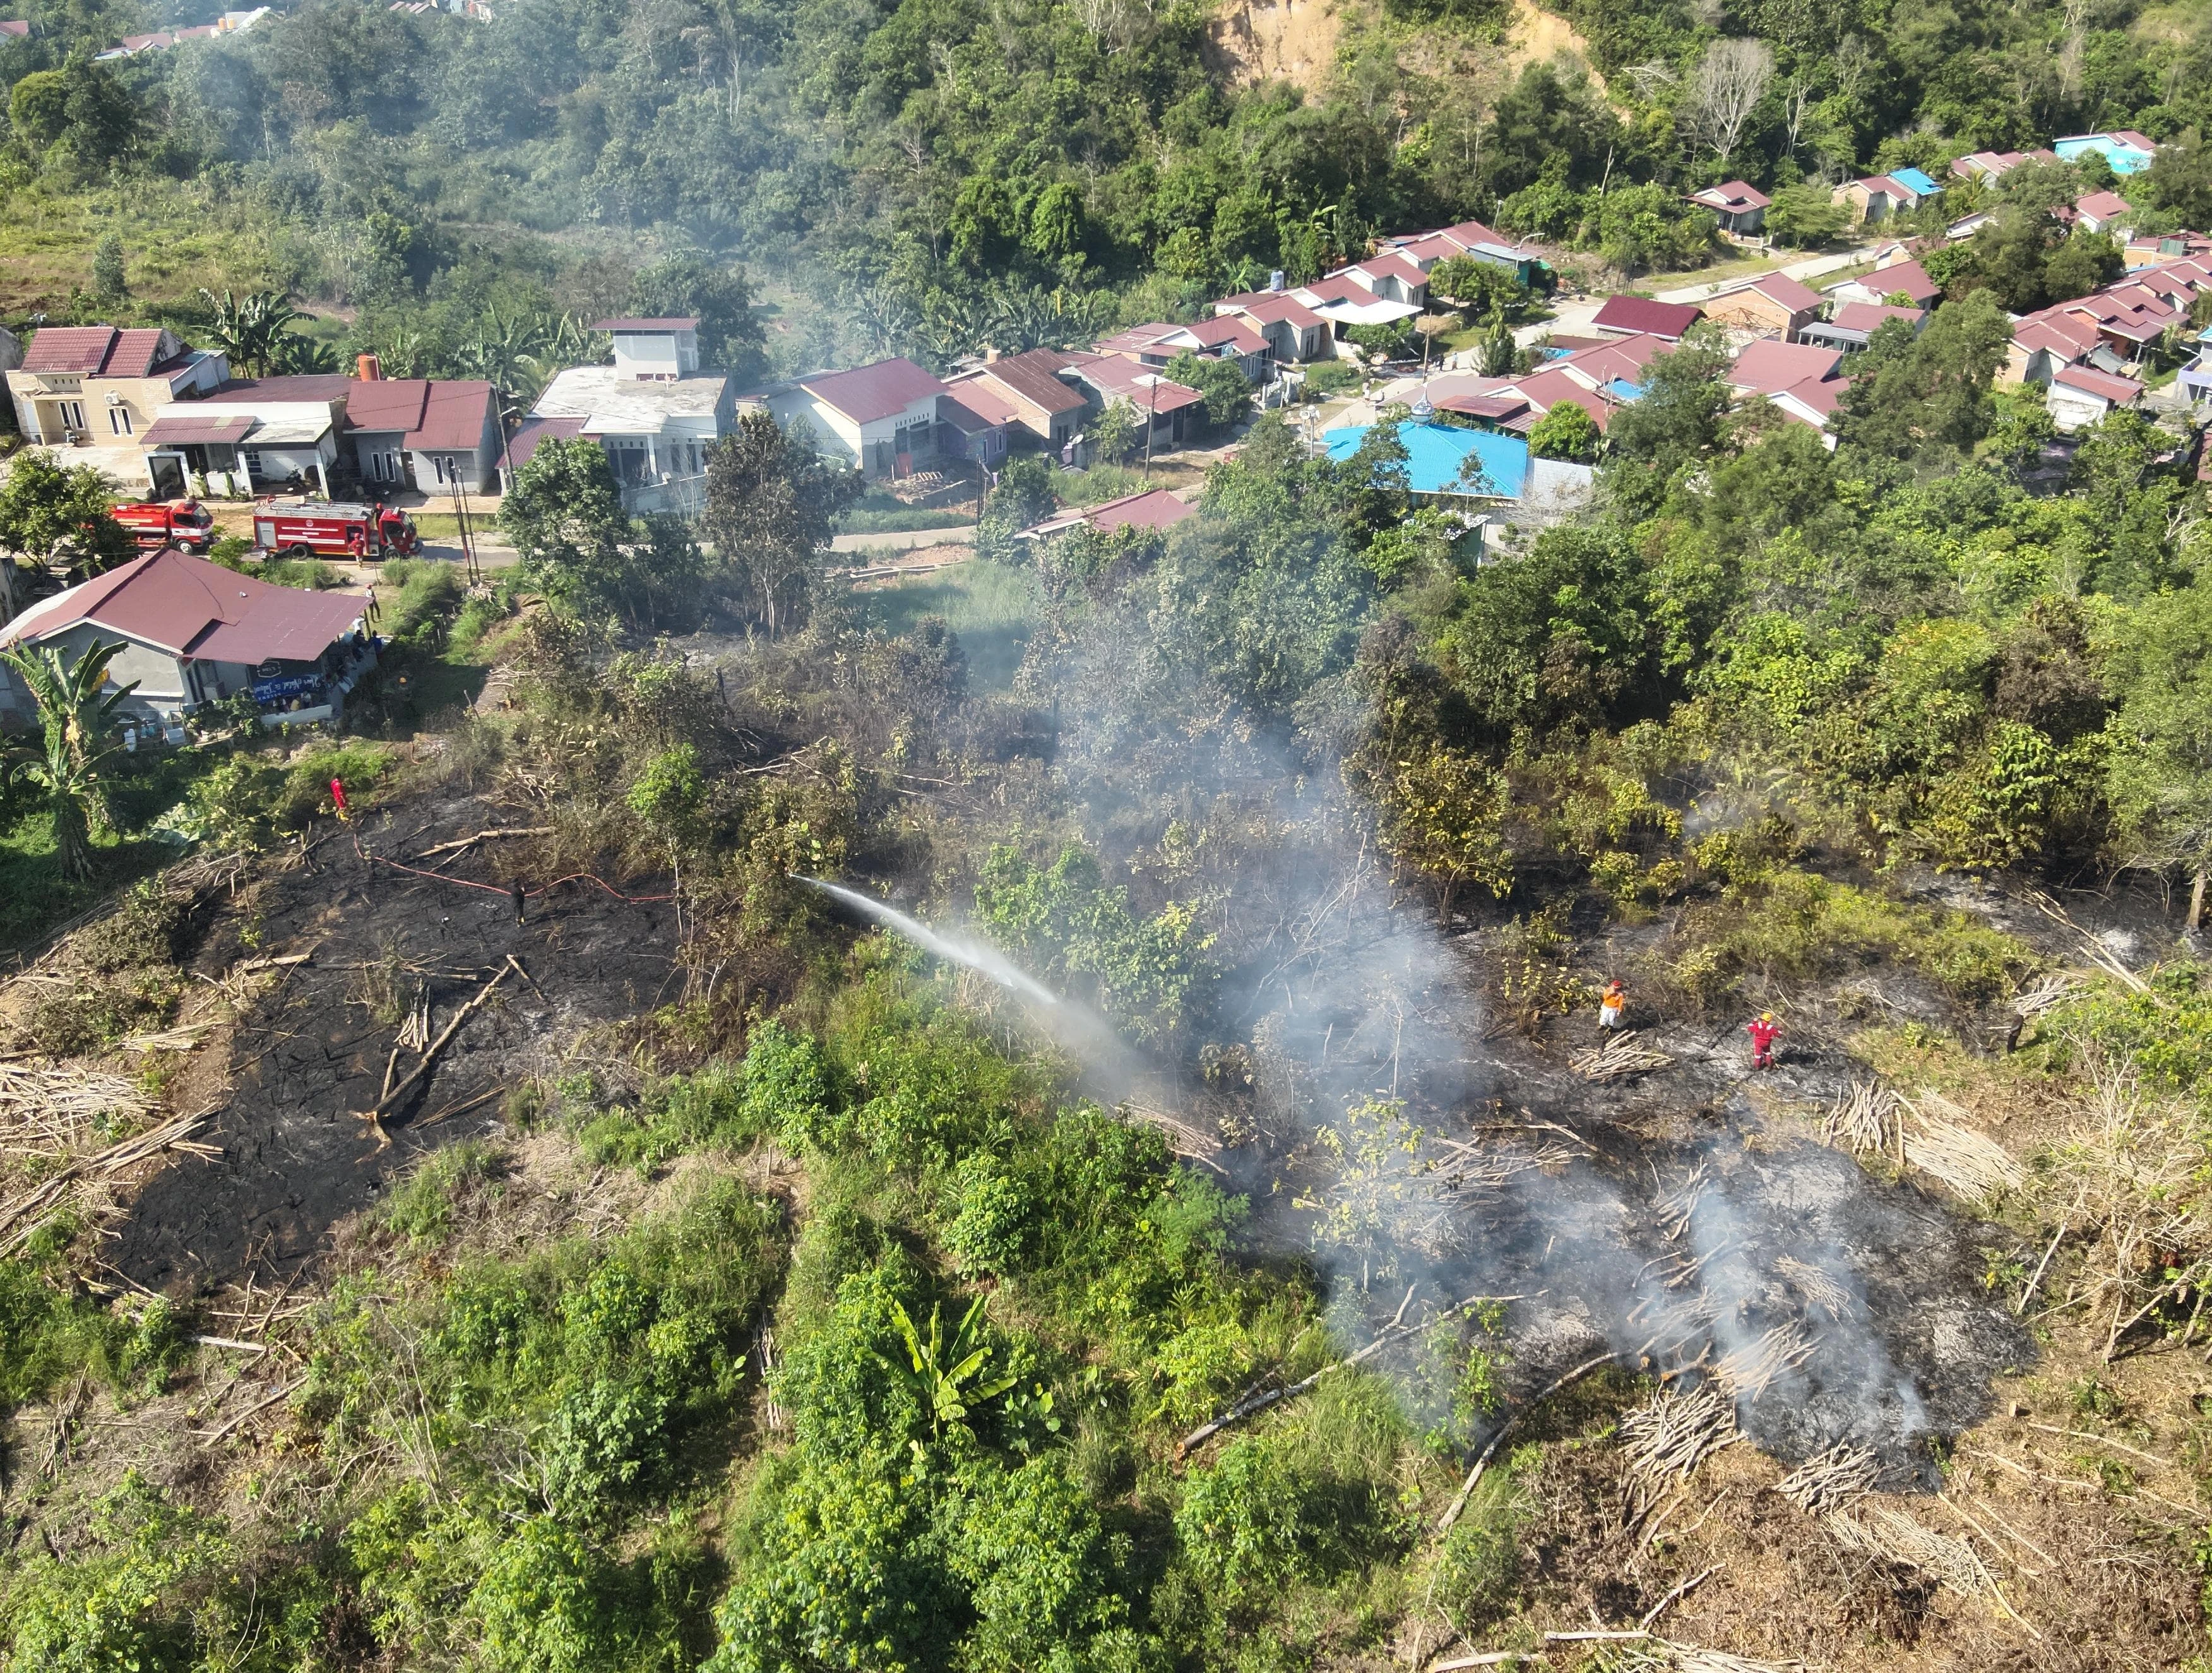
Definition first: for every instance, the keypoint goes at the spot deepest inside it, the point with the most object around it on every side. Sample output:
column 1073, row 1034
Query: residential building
column 2195, row 380
column 1471, row 239
column 1994, row 165
column 2080, row 396
column 2126, row 150
column 1170, row 409
column 1854, row 324
column 1293, row 332
column 1447, row 463
column 1344, row 302
column 656, row 411
column 193, row 632
column 102, row 386
column 1740, row 208
column 1390, row 277
column 1153, row 508
column 1804, row 382
column 1515, row 405
column 1048, row 410
column 1880, row 196
column 2102, row 211
column 1897, row 278
column 979, row 423
column 1774, row 304
column 881, row 418
column 1640, row 316
column 14, row 27
column 438, row 435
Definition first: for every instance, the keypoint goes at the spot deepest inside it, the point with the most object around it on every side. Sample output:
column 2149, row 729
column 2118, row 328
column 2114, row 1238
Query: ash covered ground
column 310, row 1055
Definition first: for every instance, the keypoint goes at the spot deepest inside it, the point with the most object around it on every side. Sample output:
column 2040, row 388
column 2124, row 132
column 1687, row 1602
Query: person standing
column 1611, row 1006
column 1762, row 1029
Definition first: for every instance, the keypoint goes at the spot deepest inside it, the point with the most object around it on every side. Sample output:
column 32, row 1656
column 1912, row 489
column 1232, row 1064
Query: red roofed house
column 1155, row 508
column 980, row 421
column 441, row 433
column 1773, row 303
column 883, row 416
column 1854, row 325
column 1047, row 409
column 1390, row 277
column 1740, row 208
column 193, row 632
column 1107, row 378
column 1908, row 278
column 14, row 27
column 1640, row 315
column 103, row 385
column 1802, row 381
column 2100, row 210
column 1293, row 330
column 1874, row 198
column 2080, row 396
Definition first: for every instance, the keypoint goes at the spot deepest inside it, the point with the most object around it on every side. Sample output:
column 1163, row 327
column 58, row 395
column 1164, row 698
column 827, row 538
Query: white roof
column 614, row 402
column 1366, row 314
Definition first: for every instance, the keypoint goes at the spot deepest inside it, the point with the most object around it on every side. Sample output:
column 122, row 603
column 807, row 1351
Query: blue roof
column 1923, row 184
column 1622, row 390
column 1435, row 452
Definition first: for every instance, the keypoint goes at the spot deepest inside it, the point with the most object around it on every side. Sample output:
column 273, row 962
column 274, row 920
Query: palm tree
column 79, row 719
column 248, row 329
column 948, row 1376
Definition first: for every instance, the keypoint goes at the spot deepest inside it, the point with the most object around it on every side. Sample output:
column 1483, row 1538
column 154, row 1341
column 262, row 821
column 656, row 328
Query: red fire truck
column 317, row 528
column 156, row 524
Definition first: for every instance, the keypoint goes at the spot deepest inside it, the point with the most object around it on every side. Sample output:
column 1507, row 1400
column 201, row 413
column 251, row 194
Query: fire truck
column 156, row 524
column 317, row 528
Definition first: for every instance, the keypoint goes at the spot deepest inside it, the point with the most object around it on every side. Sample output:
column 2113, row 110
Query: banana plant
column 79, row 719
column 951, row 1375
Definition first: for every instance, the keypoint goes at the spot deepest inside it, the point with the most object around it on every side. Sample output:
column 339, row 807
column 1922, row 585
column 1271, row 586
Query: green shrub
column 1240, row 1522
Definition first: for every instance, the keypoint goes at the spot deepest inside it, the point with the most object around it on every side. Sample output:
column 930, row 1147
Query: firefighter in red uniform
column 1762, row 1029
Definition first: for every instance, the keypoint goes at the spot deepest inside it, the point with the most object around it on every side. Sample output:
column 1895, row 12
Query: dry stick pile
column 1660, row 1656
column 1832, row 1480
column 1865, row 1118
column 1668, row 1436
column 1970, row 1162
column 1817, row 1287
column 1471, row 1166
column 44, row 1110
column 25, row 1211
column 1618, row 1055
column 1749, row 1371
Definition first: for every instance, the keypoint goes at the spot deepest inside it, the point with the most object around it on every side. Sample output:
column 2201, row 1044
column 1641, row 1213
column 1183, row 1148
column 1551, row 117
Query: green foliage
column 1567, row 431
column 1806, row 217
column 1151, row 976
column 772, row 506
column 52, row 512
column 1227, row 392
column 949, row 1375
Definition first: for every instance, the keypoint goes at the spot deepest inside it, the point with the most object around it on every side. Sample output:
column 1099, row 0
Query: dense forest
column 927, row 175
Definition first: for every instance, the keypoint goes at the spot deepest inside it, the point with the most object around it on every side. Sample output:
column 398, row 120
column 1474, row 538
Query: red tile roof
column 190, row 607
column 99, row 351
column 1227, row 328
column 314, row 386
column 2102, row 205
column 1390, row 266
column 1281, row 308
column 1119, row 378
column 15, row 26
column 1641, row 313
column 1908, row 277
column 867, row 393
column 985, row 400
column 1156, row 509
column 1871, row 317
column 1782, row 288
column 197, row 426
column 526, row 442
column 457, row 414
column 2119, row 391
column 1822, row 395
column 1034, row 376
column 1769, row 366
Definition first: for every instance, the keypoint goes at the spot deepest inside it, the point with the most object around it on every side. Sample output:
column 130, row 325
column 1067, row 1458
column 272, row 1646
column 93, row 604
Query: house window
column 253, row 465
column 72, row 415
column 118, row 420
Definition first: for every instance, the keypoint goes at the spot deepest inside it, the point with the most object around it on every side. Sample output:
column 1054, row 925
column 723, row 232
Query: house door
column 166, row 473
column 883, row 459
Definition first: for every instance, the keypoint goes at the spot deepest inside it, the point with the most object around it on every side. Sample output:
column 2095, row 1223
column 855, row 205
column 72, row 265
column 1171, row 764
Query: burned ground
column 309, row 1057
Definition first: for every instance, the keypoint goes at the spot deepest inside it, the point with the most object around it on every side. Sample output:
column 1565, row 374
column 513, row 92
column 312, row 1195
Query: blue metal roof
column 1923, row 184
column 1435, row 452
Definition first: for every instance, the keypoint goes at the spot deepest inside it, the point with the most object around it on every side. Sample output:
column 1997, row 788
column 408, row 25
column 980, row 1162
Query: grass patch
column 903, row 520
column 990, row 606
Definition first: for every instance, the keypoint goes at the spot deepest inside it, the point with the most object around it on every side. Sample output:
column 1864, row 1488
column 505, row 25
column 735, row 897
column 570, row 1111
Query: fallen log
column 1475, row 1475
column 376, row 1115
column 1253, row 1404
column 494, row 836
